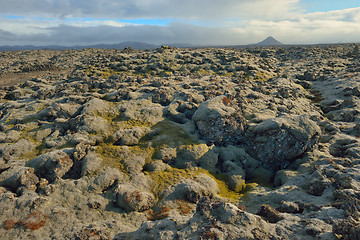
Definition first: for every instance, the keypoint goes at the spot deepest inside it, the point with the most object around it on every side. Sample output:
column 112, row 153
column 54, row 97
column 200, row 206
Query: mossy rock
column 170, row 177
column 198, row 155
column 167, row 133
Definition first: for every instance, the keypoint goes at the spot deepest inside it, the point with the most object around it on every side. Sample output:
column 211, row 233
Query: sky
column 200, row 22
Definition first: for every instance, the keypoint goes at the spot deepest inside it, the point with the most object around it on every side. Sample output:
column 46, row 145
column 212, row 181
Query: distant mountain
column 181, row 45
column 133, row 45
column 269, row 41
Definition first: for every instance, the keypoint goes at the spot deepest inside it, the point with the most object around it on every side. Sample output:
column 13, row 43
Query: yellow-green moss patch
column 172, row 176
column 114, row 156
column 169, row 134
column 221, row 180
column 164, row 179
column 111, row 155
column 263, row 76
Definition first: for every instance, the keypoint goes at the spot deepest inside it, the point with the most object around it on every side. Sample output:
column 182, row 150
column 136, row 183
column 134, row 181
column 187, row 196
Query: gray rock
column 269, row 214
column 82, row 137
column 10, row 137
column 283, row 176
column 141, row 181
column 344, row 145
column 219, row 123
column 55, row 140
column 131, row 136
column 132, row 199
column 162, row 230
column 14, row 95
column 156, row 166
column 2, row 190
column 193, row 191
column 173, row 114
column 167, row 154
column 238, row 155
column 107, row 178
column 52, row 165
column 19, row 176
column 42, row 133
column 236, row 176
column 289, row 207
column 236, row 182
column 93, row 124
column 208, row 183
column 260, row 175
column 287, row 138
column 142, row 110
column 80, row 151
column 91, row 163
column 162, row 96
column 94, row 107
column 19, row 149
column 44, row 187
column 134, row 164
column 93, row 233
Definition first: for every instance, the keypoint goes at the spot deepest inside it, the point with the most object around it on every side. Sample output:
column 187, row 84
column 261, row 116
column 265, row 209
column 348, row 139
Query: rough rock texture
column 258, row 143
column 218, row 122
column 128, row 198
column 279, row 141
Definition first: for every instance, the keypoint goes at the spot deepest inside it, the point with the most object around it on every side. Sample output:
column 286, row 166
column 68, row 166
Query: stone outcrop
column 258, row 143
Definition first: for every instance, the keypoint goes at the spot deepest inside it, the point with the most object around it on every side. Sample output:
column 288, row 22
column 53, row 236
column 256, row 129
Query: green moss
column 165, row 74
column 39, row 150
column 203, row 72
column 248, row 188
column 169, row 134
column 172, row 176
column 262, row 76
column 30, row 119
column 132, row 123
column 114, row 156
column 103, row 72
column 221, row 180
column 225, row 73
column 111, row 155
column 147, row 151
column 28, row 135
column 164, row 179
column 117, row 120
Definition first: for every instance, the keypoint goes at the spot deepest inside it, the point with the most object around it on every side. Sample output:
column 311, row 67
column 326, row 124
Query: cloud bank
column 202, row 22
column 184, row 9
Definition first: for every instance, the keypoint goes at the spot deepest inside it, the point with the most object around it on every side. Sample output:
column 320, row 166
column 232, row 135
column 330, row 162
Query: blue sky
column 329, row 5
column 70, row 22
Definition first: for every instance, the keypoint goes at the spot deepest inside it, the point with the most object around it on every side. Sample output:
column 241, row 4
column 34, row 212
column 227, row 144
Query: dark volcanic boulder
column 218, row 122
column 278, row 141
column 52, row 165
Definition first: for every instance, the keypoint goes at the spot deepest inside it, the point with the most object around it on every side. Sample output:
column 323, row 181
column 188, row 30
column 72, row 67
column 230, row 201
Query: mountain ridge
column 121, row 45
column 269, row 41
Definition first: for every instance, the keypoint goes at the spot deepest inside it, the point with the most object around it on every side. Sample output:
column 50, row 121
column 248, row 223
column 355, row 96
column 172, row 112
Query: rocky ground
column 259, row 143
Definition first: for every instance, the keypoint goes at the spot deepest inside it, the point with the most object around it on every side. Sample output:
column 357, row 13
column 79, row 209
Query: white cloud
column 184, row 9
column 237, row 22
